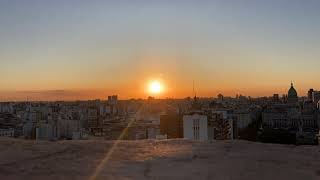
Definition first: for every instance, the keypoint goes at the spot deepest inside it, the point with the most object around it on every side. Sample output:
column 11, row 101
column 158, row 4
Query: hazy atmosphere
column 52, row 50
column 160, row 89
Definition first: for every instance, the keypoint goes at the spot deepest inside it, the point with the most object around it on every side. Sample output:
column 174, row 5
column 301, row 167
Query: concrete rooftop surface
column 154, row 159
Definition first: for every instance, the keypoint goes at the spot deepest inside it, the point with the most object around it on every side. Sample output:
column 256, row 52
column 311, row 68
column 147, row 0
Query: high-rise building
column 310, row 94
column 112, row 100
column 316, row 96
column 112, row 104
column 276, row 98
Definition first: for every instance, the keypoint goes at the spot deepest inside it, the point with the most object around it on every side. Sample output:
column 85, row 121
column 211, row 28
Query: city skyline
column 79, row 50
column 74, row 95
column 159, row 89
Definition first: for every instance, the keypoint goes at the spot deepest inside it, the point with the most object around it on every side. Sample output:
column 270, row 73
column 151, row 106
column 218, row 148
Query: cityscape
column 287, row 119
column 151, row 89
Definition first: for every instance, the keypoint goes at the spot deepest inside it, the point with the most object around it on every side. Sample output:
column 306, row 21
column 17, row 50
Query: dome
column 292, row 94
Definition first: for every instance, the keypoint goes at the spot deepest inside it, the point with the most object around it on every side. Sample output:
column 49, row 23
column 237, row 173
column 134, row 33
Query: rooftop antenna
column 194, row 89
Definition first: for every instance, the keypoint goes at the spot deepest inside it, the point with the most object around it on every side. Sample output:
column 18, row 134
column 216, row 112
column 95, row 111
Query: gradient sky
column 81, row 49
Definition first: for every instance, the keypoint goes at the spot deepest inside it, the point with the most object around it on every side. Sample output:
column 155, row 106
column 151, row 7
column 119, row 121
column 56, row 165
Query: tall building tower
column 310, row 94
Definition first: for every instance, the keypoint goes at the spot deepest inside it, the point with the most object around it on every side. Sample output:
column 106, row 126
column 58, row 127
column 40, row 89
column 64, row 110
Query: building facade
column 195, row 126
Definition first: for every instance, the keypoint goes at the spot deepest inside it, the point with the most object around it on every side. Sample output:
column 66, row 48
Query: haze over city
column 68, row 50
column 159, row 89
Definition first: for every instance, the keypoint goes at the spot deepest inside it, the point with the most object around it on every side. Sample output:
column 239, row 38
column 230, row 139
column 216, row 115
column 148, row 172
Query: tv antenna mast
column 193, row 88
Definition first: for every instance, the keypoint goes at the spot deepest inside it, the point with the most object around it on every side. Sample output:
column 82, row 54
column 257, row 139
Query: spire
column 291, row 84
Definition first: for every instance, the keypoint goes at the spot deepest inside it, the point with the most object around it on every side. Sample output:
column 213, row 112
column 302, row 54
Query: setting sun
column 155, row 87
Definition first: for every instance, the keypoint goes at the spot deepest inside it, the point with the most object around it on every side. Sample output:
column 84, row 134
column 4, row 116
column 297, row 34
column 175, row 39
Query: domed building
column 292, row 95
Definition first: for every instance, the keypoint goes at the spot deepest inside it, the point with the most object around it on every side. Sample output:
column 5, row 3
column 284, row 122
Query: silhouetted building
column 276, row 98
column 171, row 125
column 112, row 100
column 292, row 95
column 196, row 105
column 310, row 94
column 220, row 97
column 316, row 96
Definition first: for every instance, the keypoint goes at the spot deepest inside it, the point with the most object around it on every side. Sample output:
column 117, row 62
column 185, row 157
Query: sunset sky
column 81, row 49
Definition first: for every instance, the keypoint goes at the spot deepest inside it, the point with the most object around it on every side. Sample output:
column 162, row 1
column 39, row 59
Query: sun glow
column 155, row 87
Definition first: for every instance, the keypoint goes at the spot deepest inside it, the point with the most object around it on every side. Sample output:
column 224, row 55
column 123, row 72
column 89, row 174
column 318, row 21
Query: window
column 196, row 129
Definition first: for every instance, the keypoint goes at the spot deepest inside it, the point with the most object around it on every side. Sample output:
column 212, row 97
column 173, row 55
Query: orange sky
column 133, row 92
column 57, row 50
